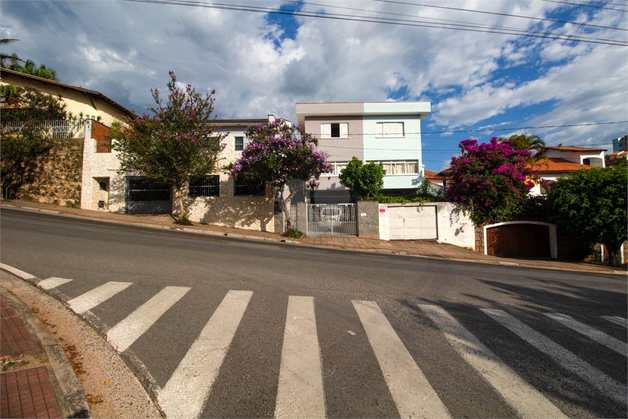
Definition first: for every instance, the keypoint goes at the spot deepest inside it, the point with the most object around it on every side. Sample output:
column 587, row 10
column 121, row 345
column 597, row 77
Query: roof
column 570, row 148
column 90, row 93
column 553, row 165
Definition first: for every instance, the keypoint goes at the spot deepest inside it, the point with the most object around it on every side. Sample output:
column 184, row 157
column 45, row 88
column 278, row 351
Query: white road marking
column 16, row 271
column 131, row 328
column 53, row 282
column 92, row 298
column 594, row 334
column 521, row 396
column 562, row 356
column 617, row 320
column 300, row 391
column 186, row 391
column 412, row 393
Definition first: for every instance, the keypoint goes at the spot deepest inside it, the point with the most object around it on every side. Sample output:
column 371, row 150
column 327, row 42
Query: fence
column 53, row 129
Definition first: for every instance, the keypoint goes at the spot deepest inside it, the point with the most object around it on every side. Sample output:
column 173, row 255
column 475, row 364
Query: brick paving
column 16, row 338
column 27, row 392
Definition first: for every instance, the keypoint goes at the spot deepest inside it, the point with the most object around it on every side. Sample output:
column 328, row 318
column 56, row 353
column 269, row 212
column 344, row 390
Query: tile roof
column 87, row 92
column 559, row 165
column 570, row 148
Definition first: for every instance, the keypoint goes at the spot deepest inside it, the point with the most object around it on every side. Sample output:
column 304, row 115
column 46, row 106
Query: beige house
column 79, row 101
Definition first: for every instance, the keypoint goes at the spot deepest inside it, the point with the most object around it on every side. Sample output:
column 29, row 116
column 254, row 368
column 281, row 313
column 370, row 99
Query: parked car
column 330, row 215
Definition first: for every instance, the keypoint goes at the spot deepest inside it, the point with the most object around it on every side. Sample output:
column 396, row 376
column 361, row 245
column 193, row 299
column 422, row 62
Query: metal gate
column 332, row 220
column 145, row 196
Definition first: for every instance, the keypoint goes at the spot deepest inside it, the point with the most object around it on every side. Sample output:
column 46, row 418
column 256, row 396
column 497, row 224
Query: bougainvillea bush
column 278, row 153
column 490, row 180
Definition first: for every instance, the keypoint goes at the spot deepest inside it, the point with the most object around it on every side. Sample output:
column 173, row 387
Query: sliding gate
column 332, row 220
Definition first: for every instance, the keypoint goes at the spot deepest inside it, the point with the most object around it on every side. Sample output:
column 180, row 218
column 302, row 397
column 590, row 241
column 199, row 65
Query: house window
column 390, row 129
column 336, row 168
column 239, row 143
column 144, row 189
column 245, row 187
column 336, row 130
column 205, row 186
column 401, row 167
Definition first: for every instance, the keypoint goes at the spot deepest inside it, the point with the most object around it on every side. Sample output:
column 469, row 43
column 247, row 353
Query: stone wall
column 57, row 179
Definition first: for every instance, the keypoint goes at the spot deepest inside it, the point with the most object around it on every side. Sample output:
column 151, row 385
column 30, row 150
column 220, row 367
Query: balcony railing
column 53, row 129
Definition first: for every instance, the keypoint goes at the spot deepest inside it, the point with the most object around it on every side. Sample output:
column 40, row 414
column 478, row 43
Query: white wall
column 453, row 226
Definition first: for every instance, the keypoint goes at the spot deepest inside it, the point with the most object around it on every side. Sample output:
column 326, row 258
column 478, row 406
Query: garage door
column 412, row 222
column 518, row 240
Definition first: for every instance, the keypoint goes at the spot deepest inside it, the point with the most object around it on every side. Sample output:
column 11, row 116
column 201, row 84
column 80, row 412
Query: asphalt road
column 396, row 335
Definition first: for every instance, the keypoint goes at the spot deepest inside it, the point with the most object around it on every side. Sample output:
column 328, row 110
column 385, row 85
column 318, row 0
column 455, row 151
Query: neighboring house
column 616, row 157
column 559, row 161
column 381, row 132
column 88, row 103
column 215, row 199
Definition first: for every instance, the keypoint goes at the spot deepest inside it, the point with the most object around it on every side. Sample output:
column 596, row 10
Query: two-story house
column 558, row 161
column 381, row 132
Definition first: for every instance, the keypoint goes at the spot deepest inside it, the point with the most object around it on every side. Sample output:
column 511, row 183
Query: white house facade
column 217, row 198
column 381, row 132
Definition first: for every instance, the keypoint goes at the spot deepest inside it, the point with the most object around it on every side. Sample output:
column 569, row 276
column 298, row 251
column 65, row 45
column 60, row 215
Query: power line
column 595, row 6
column 500, row 14
column 388, row 21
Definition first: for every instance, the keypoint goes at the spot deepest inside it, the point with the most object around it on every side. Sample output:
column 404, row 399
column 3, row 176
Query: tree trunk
column 614, row 254
column 178, row 196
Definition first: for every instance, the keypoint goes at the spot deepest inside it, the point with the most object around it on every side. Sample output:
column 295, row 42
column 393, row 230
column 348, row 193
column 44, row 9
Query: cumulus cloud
column 124, row 49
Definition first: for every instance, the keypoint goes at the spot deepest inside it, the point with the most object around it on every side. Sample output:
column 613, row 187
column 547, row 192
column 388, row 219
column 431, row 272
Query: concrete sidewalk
column 418, row 248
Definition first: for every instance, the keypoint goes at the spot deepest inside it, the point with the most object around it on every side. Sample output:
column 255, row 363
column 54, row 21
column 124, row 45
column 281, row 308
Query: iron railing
column 60, row 129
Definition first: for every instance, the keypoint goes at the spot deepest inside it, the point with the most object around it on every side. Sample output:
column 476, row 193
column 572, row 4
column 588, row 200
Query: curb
column 68, row 390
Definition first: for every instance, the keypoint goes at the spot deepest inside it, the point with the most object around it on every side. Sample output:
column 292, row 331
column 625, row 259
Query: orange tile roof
column 559, row 165
column 570, row 148
column 431, row 175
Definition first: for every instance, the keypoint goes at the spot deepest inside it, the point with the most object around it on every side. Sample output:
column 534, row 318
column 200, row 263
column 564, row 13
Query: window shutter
column 380, row 129
column 344, row 130
column 325, row 130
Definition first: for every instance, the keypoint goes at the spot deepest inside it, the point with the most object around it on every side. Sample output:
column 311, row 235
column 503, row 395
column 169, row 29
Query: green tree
column 366, row 180
column 4, row 57
column 31, row 68
column 532, row 143
column 174, row 145
column 25, row 135
column 278, row 154
column 592, row 203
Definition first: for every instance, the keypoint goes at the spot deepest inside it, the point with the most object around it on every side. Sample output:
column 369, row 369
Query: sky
column 490, row 68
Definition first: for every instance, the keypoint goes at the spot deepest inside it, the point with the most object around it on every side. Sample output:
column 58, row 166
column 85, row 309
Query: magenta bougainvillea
column 491, row 180
column 278, row 153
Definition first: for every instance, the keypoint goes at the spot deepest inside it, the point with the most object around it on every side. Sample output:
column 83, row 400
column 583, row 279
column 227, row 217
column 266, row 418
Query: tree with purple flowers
column 277, row 154
column 491, row 180
column 175, row 144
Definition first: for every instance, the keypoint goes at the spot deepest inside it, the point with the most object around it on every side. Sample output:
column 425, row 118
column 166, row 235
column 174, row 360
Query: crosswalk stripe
column 98, row 295
column 617, row 320
column 412, row 393
column 562, row 356
column 300, row 390
column 122, row 335
column 54, row 282
column 186, row 391
column 521, row 396
column 594, row 334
